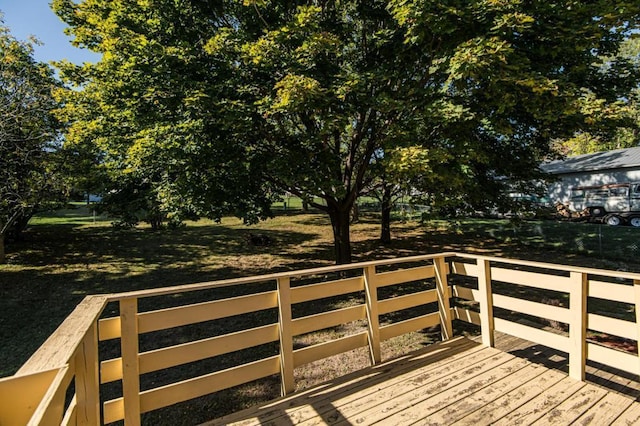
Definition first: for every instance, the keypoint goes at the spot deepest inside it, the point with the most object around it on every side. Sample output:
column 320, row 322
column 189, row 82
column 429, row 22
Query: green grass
column 77, row 213
column 68, row 255
column 612, row 245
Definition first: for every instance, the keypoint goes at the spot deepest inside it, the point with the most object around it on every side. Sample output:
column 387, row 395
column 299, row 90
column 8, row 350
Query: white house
column 601, row 168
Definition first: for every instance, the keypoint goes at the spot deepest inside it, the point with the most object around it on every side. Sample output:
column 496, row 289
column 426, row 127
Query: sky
column 35, row 17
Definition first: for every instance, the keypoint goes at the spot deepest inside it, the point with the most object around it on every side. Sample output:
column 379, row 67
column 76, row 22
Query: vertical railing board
column 286, row 336
column 130, row 369
column 373, row 320
column 486, row 302
column 444, row 305
column 87, row 379
column 71, row 415
column 578, row 324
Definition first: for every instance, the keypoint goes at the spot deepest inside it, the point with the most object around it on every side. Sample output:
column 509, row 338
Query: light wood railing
column 62, row 382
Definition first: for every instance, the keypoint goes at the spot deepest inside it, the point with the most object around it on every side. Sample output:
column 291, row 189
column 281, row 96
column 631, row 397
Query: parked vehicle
column 613, row 204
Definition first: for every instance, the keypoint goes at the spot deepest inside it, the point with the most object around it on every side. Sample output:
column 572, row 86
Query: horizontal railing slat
column 548, row 266
column 193, row 388
column 532, row 334
column 467, row 269
column 531, row 279
column 51, row 407
column 541, row 310
column 614, row 326
column 327, row 319
column 466, row 293
column 109, row 328
column 17, row 407
column 327, row 349
column 271, row 277
column 407, row 301
column 111, row 370
column 621, row 360
column 328, row 289
column 192, row 314
column 384, row 279
column 207, row 311
column 407, row 326
column 610, row 291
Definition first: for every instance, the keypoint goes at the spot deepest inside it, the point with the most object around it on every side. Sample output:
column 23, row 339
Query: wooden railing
column 63, row 381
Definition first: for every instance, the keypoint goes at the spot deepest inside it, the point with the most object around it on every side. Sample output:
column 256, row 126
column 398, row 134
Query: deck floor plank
column 414, row 393
column 507, row 403
column 443, row 376
column 427, row 405
column 541, row 404
column 455, row 382
column 605, row 411
column 631, row 416
column 573, row 407
column 474, row 397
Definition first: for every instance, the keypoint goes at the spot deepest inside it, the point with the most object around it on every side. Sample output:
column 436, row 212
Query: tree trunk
column 385, row 229
column 341, row 234
column 355, row 213
column 3, row 256
column 305, row 206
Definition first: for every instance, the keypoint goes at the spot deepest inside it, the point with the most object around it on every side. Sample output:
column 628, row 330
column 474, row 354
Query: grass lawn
column 70, row 254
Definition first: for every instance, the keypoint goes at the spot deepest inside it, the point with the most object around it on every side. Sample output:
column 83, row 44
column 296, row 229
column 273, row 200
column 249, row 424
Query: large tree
column 29, row 173
column 232, row 102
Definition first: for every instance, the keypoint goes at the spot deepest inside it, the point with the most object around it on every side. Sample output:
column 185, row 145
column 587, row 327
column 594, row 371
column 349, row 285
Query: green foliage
column 206, row 104
column 29, row 159
column 623, row 116
column 154, row 117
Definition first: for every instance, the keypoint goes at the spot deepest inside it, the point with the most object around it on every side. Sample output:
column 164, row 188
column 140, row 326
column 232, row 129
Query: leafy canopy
column 211, row 107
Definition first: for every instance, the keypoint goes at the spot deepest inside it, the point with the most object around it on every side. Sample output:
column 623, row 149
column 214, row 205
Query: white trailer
column 613, row 204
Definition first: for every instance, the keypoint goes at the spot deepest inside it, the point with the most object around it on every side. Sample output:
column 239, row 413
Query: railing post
column 87, row 379
column 578, row 325
column 486, row 302
column 636, row 286
column 371, row 295
column 442, row 288
column 286, row 336
column 130, row 366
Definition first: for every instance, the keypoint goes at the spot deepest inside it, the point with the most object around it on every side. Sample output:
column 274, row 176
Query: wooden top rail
column 339, row 268
column 268, row 277
column 550, row 266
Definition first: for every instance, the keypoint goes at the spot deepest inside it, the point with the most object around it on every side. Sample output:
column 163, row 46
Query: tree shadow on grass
column 57, row 265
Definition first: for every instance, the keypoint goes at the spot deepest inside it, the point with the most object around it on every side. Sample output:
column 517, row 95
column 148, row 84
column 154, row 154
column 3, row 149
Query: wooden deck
column 458, row 382
column 72, row 379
